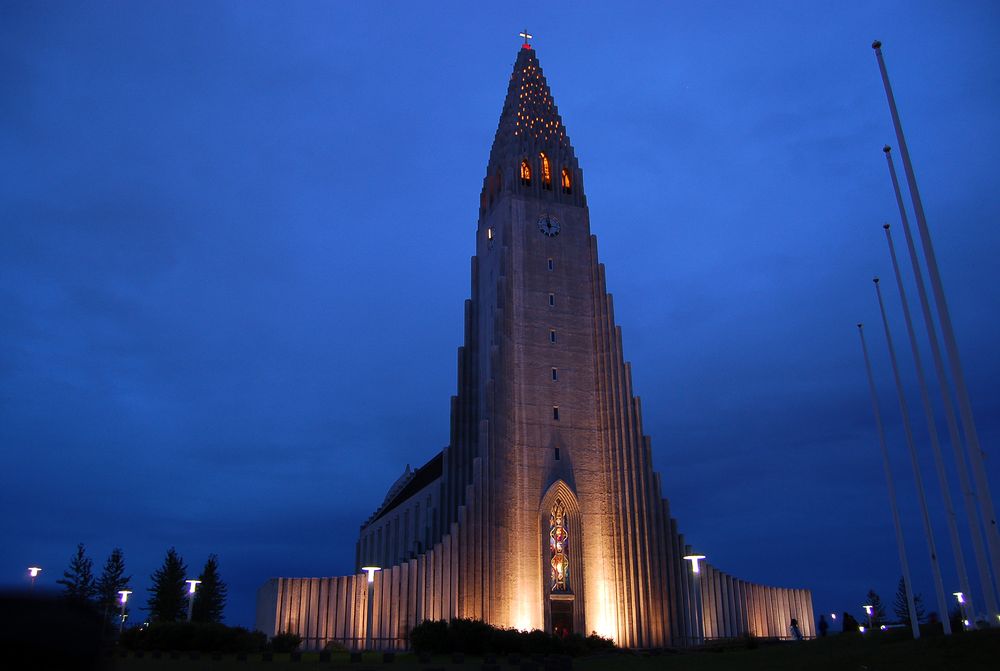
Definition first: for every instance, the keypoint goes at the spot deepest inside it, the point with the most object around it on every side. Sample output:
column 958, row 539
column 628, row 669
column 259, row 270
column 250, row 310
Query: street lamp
column 33, row 571
column 192, row 586
column 699, row 610
column 370, row 570
column 868, row 609
column 124, row 597
column 960, row 597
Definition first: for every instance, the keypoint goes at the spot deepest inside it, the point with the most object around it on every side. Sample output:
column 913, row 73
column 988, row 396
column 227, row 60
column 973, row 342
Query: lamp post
column 192, row 586
column 370, row 570
column 868, row 610
column 124, row 597
column 960, row 597
column 33, row 572
column 699, row 609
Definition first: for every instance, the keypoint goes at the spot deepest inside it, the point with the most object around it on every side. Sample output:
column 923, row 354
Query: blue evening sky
column 235, row 241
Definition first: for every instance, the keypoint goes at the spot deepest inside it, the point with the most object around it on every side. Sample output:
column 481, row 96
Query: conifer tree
column 878, row 608
column 167, row 600
column 210, row 600
column 78, row 578
column 112, row 580
column 902, row 609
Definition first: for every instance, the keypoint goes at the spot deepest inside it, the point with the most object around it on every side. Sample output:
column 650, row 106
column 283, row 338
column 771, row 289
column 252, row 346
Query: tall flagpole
column 921, row 497
column 951, row 346
column 968, row 495
column 925, row 398
column 891, row 486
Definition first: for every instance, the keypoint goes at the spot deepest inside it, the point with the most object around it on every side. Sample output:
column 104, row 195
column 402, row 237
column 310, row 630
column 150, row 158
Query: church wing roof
column 420, row 478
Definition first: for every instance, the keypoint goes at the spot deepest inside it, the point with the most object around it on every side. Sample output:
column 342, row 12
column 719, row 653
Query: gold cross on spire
column 527, row 38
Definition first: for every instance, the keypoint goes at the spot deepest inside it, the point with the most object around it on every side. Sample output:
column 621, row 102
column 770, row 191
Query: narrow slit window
column 555, row 412
column 552, row 299
column 546, row 172
column 557, row 454
column 489, row 233
column 567, row 183
column 555, row 374
column 525, row 173
column 552, row 264
column 552, row 335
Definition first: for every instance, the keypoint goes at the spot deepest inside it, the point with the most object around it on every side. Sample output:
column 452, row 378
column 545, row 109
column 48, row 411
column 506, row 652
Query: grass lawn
column 966, row 652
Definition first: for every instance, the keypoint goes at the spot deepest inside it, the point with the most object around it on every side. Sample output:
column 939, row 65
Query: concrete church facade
column 544, row 510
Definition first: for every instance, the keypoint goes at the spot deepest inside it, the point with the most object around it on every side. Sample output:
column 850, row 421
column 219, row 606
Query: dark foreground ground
column 966, row 652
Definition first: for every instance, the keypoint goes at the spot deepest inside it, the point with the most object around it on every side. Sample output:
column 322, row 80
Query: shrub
column 285, row 642
column 430, row 636
column 335, row 646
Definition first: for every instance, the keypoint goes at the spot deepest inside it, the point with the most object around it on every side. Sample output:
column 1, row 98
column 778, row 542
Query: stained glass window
column 525, row 173
column 546, row 172
column 559, row 548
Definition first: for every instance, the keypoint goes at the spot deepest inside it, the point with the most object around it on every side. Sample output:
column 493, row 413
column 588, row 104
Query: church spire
column 531, row 151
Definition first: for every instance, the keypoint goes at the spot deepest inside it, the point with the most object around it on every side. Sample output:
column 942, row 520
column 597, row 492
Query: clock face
column 548, row 225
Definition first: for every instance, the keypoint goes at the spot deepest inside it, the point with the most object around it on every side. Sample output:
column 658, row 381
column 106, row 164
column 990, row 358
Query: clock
column 548, row 225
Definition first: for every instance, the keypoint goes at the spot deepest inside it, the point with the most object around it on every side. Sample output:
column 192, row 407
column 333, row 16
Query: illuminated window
column 552, row 299
column 489, row 233
column 558, row 547
column 555, row 412
column 546, row 172
column 555, row 374
column 567, row 185
column 525, row 173
column 552, row 264
column 552, row 335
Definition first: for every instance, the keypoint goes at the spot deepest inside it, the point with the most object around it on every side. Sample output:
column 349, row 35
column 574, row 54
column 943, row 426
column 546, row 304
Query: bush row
column 475, row 637
column 193, row 636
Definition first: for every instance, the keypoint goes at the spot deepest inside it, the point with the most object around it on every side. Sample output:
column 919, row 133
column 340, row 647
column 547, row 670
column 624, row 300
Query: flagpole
column 925, row 398
column 891, row 486
column 968, row 494
column 947, row 330
column 921, row 497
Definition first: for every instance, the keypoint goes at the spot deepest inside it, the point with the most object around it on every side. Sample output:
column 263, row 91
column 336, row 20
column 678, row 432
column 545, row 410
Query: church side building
column 544, row 511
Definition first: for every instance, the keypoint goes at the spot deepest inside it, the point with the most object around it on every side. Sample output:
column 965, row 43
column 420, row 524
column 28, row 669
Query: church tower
column 559, row 428
column 544, row 511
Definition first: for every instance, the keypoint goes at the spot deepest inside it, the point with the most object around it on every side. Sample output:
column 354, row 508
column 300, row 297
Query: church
column 544, row 511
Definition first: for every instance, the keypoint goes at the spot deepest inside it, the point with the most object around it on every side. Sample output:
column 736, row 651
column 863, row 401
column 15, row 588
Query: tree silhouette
column 166, row 596
column 902, row 609
column 78, row 578
column 210, row 600
column 878, row 608
column 112, row 580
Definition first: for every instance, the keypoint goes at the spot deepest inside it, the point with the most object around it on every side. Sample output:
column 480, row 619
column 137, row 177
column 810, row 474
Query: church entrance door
column 562, row 617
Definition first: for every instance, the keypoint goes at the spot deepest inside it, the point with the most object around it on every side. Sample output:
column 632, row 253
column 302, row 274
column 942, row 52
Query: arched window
column 546, row 172
column 558, row 548
column 525, row 173
column 567, row 184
